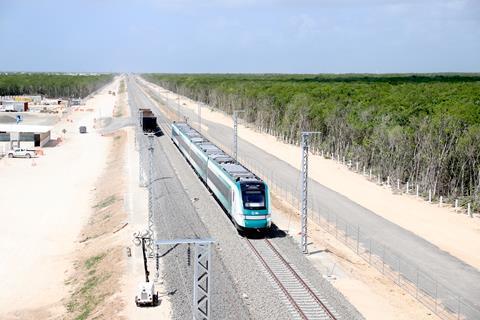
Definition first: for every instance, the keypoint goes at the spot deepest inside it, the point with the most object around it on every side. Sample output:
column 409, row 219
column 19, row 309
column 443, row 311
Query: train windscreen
column 253, row 196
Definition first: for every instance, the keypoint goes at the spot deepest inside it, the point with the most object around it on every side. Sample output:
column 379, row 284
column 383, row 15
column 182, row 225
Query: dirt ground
column 101, row 258
column 45, row 203
column 455, row 233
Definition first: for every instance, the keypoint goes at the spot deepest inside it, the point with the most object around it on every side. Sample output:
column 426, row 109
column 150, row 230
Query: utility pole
column 304, row 195
column 199, row 117
column 150, row 190
column 202, row 269
column 142, row 182
column 178, row 106
column 235, row 132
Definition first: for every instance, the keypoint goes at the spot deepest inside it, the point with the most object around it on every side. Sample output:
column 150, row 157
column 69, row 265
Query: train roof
column 237, row 171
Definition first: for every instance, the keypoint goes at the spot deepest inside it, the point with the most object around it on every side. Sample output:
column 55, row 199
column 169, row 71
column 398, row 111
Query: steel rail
column 302, row 282
column 277, row 281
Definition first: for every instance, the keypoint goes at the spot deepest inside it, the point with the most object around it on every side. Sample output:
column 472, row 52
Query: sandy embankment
column 452, row 232
column 44, row 204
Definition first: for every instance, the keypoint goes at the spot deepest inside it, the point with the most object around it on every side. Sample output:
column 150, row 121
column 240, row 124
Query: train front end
column 256, row 205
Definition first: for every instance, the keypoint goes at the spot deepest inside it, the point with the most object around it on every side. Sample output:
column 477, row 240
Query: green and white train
column 243, row 195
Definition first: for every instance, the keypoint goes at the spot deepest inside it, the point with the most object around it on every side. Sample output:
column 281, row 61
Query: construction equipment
column 146, row 294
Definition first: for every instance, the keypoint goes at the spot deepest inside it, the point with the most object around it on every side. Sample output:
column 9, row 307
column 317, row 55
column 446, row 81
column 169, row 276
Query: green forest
column 51, row 85
column 421, row 128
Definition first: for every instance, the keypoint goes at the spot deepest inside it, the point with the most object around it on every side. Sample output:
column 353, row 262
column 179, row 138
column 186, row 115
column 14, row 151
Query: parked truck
column 21, row 153
column 148, row 121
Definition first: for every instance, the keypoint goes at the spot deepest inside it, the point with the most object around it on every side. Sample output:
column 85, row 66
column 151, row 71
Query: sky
column 240, row 36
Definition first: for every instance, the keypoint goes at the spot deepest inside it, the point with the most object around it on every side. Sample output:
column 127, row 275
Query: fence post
column 458, row 314
column 416, row 285
column 370, row 174
column 357, row 166
column 343, row 160
column 417, row 190
column 358, row 238
column 364, row 170
column 441, row 201
column 399, row 273
column 370, row 252
column 469, row 210
column 408, row 184
column 328, row 221
column 456, row 205
column 336, row 226
column 429, row 195
column 398, row 184
column 346, row 233
column 388, row 181
column 383, row 260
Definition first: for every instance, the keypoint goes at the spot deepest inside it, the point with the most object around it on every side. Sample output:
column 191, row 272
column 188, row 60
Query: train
column 243, row 195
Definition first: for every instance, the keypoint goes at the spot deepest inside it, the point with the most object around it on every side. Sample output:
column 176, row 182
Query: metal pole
column 304, row 190
column 202, row 284
column 383, row 260
column 416, row 286
column 178, row 106
column 358, row 238
column 202, row 270
column 370, row 252
column 199, row 117
column 304, row 195
column 150, row 190
column 235, row 133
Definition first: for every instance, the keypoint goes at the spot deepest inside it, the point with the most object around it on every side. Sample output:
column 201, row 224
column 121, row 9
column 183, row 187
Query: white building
column 13, row 106
column 19, row 135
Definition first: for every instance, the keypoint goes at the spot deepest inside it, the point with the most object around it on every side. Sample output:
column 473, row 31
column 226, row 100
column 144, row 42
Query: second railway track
column 304, row 301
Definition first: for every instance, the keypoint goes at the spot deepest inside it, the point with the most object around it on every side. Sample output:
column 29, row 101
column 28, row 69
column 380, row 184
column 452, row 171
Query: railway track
column 303, row 301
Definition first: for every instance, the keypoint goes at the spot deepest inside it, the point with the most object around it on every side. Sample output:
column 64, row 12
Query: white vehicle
column 146, row 295
column 21, row 153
